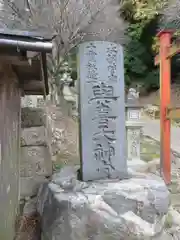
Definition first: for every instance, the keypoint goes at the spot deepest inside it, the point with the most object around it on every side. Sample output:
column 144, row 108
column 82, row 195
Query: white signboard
column 134, row 115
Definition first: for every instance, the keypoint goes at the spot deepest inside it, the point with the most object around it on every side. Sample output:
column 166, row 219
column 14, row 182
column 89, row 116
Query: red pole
column 165, row 100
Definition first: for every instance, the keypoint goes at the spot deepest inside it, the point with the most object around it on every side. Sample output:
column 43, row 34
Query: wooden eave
column 26, row 53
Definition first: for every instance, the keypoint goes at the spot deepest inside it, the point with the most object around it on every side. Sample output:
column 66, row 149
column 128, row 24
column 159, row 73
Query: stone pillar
column 133, row 128
column 102, row 111
column 36, row 162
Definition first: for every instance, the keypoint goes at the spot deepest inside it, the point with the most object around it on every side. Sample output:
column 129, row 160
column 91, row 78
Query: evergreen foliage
column 143, row 17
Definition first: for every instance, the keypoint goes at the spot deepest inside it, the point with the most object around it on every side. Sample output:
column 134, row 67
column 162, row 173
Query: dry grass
column 29, row 228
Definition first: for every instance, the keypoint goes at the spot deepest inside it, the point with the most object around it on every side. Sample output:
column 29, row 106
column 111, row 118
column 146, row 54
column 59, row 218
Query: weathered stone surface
column 174, row 232
column 145, row 167
column 63, row 136
column 32, row 101
column 29, row 186
column 132, row 209
column 164, row 236
column 34, row 136
column 35, row 160
column 137, row 165
column 102, row 112
column 32, row 117
column 175, row 216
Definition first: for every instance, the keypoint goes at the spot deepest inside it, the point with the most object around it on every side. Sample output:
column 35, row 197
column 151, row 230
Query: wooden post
column 165, row 88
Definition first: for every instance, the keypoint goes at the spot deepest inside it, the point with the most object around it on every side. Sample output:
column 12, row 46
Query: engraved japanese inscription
column 102, row 111
column 133, row 114
column 133, row 139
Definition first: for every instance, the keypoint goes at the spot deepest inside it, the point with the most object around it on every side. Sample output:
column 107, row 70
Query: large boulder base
column 130, row 209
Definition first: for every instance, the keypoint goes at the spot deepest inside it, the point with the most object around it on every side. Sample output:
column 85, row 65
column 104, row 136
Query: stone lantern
column 133, row 126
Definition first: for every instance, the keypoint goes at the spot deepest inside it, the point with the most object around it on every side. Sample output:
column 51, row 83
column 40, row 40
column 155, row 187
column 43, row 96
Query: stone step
column 32, row 117
column 34, row 136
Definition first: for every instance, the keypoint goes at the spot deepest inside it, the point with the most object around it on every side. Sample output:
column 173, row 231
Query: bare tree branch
column 171, row 15
column 72, row 21
column 69, row 19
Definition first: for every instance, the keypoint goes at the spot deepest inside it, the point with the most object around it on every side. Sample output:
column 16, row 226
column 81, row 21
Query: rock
column 32, row 117
column 66, row 179
column 137, row 165
column 177, row 162
column 35, row 160
column 130, row 209
column 174, row 232
column 153, row 166
column 34, row 136
column 30, row 207
column 29, row 186
column 32, row 101
column 175, row 217
column 152, row 111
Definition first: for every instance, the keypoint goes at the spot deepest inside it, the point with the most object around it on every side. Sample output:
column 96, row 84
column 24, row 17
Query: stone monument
column 102, row 111
column 133, row 127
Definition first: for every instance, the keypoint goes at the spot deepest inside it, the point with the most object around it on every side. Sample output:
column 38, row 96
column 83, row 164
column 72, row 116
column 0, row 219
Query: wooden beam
column 14, row 60
column 171, row 51
column 33, row 85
